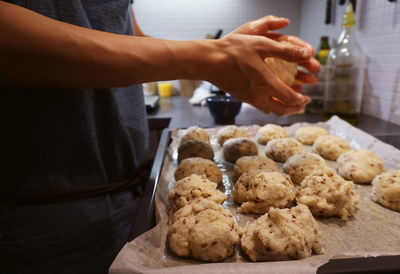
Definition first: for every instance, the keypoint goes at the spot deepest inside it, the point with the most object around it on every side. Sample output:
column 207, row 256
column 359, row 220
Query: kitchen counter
column 180, row 114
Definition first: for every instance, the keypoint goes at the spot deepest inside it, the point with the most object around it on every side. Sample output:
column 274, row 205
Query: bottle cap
column 348, row 17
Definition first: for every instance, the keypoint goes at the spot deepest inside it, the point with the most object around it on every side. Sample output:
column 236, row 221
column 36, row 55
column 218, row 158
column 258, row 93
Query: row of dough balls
column 235, row 141
column 207, row 231
column 280, row 147
column 200, row 227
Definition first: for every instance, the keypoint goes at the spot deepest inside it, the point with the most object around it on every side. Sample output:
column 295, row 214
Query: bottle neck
column 325, row 45
column 345, row 36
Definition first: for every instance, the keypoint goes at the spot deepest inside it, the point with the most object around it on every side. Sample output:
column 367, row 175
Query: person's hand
column 311, row 65
column 245, row 75
column 263, row 26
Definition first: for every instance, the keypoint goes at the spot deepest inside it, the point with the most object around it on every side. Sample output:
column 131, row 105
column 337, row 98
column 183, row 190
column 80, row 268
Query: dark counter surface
column 183, row 115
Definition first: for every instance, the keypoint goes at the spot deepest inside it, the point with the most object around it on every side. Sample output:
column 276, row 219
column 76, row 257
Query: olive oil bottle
column 345, row 74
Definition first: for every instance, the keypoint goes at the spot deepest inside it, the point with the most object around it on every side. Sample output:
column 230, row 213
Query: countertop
column 183, row 115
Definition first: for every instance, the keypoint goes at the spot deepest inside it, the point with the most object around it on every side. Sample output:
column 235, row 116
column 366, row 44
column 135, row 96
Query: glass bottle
column 323, row 51
column 345, row 74
column 316, row 91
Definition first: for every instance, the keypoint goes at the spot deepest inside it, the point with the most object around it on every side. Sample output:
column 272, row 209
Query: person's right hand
column 240, row 69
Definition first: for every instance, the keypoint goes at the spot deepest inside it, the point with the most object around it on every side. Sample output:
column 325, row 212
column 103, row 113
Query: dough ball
column 203, row 230
column 269, row 132
column 327, row 194
column 199, row 166
column 307, row 135
column 282, row 234
column 282, row 149
column 195, row 148
column 235, row 148
column 193, row 188
column 302, row 164
column 386, row 189
column 230, row 132
column 359, row 166
column 286, row 71
column 330, row 147
column 196, row 133
column 246, row 163
column 258, row 191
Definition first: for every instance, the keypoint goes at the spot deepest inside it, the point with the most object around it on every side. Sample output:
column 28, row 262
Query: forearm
column 37, row 51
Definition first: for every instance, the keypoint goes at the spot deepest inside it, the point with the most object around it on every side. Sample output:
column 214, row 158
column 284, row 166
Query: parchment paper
column 373, row 231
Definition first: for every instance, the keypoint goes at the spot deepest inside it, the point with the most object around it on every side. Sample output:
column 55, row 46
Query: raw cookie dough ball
column 282, row 149
column 235, row 148
column 230, row 132
column 286, row 71
column 203, row 230
column 258, row 191
column 195, row 148
column 282, row 234
column 269, row 132
column 359, row 166
column 307, row 135
column 193, row 188
column 199, row 166
column 386, row 189
column 247, row 163
column 196, row 133
column 330, row 147
column 327, row 194
column 302, row 164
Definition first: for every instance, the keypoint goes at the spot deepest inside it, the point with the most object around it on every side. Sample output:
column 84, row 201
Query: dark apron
column 60, row 147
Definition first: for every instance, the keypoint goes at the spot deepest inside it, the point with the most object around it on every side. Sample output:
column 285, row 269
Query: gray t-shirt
column 54, row 139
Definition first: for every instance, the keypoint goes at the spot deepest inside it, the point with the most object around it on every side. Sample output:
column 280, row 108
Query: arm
column 49, row 53
column 136, row 28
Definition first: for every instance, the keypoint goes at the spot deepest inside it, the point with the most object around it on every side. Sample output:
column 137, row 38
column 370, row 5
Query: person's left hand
column 259, row 27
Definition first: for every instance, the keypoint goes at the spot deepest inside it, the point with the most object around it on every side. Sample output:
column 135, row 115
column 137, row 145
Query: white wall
column 312, row 17
column 185, row 19
column 378, row 33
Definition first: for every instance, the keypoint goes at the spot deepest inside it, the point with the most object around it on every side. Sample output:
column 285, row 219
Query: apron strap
column 60, row 196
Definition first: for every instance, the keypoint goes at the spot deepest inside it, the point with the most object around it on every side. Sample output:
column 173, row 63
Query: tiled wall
column 185, row 19
column 378, row 33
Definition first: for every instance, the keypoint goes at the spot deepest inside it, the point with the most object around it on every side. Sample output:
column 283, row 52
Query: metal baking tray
column 145, row 220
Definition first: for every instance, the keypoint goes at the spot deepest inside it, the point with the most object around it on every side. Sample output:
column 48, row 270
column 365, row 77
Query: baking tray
column 145, row 220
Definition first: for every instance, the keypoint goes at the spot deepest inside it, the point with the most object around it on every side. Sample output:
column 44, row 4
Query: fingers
column 306, row 78
column 272, row 35
column 276, row 88
column 289, row 38
column 297, row 88
column 263, row 25
column 286, row 51
column 312, row 65
column 274, row 105
column 296, row 41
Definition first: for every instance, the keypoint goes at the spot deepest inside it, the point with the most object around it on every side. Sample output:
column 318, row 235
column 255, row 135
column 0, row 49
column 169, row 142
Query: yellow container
column 165, row 89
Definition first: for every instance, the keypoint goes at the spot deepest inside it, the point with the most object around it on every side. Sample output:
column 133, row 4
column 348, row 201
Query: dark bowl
column 223, row 108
